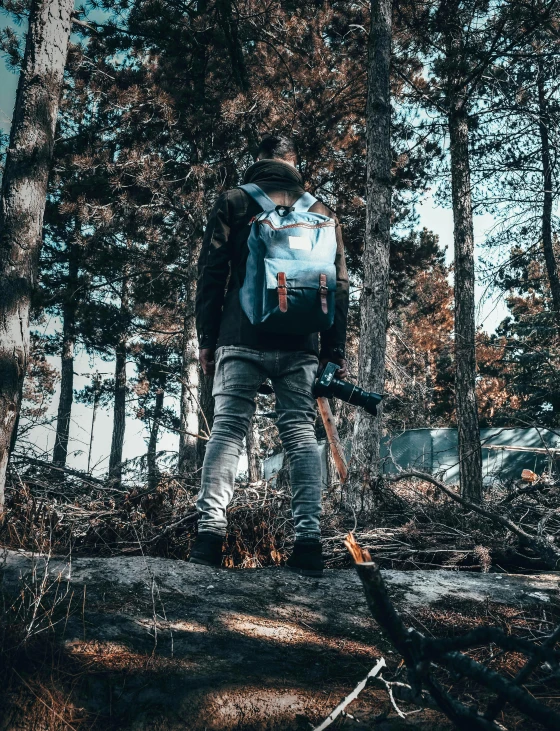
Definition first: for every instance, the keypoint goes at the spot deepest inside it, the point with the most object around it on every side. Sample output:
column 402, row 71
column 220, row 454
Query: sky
column 433, row 217
column 8, row 84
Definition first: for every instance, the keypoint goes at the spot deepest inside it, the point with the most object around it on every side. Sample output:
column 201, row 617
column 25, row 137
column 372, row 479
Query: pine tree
column 457, row 42
column 24, row 189
column 374, row 299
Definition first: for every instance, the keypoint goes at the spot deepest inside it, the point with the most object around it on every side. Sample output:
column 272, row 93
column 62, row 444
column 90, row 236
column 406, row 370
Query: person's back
column 243, row 355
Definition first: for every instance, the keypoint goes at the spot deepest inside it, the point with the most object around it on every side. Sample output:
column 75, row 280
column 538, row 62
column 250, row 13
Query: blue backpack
column 290, row 281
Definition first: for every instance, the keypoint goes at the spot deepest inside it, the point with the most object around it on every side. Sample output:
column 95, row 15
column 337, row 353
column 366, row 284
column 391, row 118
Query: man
column 242, row 357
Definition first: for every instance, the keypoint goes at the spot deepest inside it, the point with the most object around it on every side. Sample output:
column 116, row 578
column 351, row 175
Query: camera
column 328, row 385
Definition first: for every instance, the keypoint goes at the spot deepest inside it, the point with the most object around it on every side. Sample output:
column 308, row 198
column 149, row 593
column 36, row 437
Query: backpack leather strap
column 282, row 292
column 324, row 290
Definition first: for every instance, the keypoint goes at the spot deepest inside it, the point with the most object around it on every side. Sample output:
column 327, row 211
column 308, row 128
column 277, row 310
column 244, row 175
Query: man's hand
column 342, row 364
column 206, row 360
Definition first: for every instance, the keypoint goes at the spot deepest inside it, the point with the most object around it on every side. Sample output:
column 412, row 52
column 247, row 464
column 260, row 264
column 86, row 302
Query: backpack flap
column 298, row 299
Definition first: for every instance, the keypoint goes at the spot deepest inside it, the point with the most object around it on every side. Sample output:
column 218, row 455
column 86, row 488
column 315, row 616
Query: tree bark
column 252, row 443
column 375, row 292
column 96, row 397
column 151, row 459
column 189, row 398
column 470, row 456
column 119, row 409
column 547, row 243
column 205, row 413
column 24, row 190
column 60, row 451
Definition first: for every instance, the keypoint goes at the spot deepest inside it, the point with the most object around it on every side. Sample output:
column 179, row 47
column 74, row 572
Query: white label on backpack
column 300, row 242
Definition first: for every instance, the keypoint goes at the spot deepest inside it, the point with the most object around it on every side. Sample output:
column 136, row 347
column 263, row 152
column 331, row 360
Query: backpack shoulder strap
column 305, row 202
column 259, row 196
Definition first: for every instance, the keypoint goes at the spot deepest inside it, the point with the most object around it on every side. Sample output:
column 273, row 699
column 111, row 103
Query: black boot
column 207, row 549
column 307, row 557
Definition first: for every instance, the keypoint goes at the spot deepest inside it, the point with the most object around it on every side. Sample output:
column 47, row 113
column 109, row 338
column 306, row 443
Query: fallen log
column 159, row 641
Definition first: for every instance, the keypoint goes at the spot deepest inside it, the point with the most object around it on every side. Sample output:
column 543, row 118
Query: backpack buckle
column 283, row 211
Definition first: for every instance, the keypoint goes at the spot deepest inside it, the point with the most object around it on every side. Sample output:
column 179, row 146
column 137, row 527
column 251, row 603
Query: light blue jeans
column 239, row 373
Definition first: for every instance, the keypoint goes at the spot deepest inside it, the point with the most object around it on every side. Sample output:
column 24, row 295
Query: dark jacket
column 220, row 320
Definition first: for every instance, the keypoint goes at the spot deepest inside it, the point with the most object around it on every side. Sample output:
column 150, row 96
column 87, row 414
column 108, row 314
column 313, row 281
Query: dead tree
column 24, row 190
column 374, row 298
column 252, row 444
column 119, row 408
column 60, row 451
column 151, row 457
column 205, row 413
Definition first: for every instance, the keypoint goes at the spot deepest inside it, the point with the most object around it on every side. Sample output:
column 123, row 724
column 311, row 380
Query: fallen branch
column 420, row 653
column 333, row 440
column 514, row 694
column 495, row 635
column 88, row 479
column 496, row 706
column 541, row 545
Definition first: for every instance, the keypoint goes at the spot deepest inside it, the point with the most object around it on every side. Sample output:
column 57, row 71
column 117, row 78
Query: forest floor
column 129, row 639
column 156, row 644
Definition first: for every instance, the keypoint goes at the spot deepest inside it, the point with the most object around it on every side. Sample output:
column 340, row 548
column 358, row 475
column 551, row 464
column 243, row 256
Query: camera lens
column 328, row 385
column 355, row 395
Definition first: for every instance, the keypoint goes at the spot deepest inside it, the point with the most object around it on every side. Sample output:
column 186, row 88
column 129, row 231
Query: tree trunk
column 470, row 457
column 375, row 292
column 153, row 472
column 230, row 29
column 252, row 443
column 189, row 398
column 205, row 412
column 24, row 190
column 60, row 451
column 548, row 248
column 96, row 397
column 119, row 411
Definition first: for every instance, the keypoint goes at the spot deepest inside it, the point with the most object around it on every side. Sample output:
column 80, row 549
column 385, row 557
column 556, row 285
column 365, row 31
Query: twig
column 170, row 528
column 353, row 695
